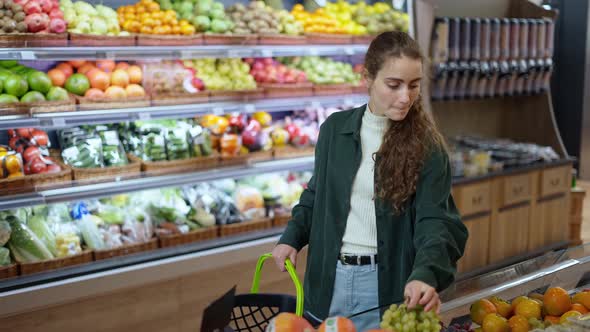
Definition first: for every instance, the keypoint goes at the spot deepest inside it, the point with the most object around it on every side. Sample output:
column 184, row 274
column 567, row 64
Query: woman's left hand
column 418, row 292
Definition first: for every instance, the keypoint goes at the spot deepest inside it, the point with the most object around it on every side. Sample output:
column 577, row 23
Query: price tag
column 58, row 122
column 218, row 110
column 316, row 104
column 266, row 53
column 348, row 101
column 101, row 55
column 237, row 53
column 249, row 108
column 313, row 51
column 27, row 55
column 349, row 51
column 144, row 116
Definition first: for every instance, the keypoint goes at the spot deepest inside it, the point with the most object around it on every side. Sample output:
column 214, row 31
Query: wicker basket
column 281, row 220
column 177, row 166
column 14, row 186
column 169, row 40
column 180, row 98
column 87, row 104
column 9, row 271
column 254, row 94
column 51, row 106
column 33, row 40
column 281, row 40
column 288, row 151
column 277, row 90
column 258, row 156
column 14, row 109
column 245, row 227
column 104, row 41
column 56, row 263
column 126, row 249
column 234, row 39
column 52, row 180
column 332, row 89
column 202, row 234
column 133, row 169
column 238, row 160
column 362, row 39
column 328, row 38
column 224, row 95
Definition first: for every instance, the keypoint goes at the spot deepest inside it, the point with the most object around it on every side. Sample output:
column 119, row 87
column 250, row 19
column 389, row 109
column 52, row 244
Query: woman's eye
column 415, row 86
column 394, row 87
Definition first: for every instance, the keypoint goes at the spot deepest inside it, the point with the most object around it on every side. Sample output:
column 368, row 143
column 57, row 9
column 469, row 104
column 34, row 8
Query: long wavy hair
column 406, row 143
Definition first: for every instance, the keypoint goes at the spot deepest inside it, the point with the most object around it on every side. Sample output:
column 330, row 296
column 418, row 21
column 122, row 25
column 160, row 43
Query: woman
column 377, row 214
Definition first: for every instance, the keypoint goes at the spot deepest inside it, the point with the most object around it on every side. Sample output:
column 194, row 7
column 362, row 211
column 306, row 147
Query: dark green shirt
column 422, row 243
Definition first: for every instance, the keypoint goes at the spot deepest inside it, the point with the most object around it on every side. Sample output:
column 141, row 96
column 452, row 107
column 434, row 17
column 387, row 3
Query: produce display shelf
column 176, row 52
column 78, row 191
column 65, row 119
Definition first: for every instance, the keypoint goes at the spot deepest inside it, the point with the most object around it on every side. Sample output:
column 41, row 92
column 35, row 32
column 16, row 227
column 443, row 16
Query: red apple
column 57, row 25
column 20, row 2
column 249, row 61
column 293, row 130
column 56, row 13
column 253, row 125
column 46, row 5
column 32, row 7
column 268, row 61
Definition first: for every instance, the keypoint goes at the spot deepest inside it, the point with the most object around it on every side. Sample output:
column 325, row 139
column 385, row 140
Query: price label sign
column 237, row 53
column 313, row 52
column 316, row 104
column 58, row 122
column 144, row 116
column 266, row 53
column 249, row 108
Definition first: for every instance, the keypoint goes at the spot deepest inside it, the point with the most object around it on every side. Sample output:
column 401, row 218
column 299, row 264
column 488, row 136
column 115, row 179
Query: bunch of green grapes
column 401, row 319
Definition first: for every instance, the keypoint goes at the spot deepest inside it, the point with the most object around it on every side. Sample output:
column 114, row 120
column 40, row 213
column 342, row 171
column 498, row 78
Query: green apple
column 6, row 99
column 217, row 14
column 57, row 94
column 39, row 81
column 84, row 27
column 219, row 26
column 16, row 85
column 32, row 97
column 201, row 22
column 99, row 26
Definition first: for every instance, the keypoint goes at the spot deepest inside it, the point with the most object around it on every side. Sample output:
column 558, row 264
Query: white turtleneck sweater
column 360, row 236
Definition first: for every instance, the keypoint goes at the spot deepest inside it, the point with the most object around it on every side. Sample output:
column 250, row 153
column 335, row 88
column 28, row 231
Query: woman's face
column 395, row 88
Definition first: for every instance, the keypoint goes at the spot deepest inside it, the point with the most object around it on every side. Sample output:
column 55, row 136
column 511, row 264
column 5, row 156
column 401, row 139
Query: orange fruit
column 582, row 298
column 518, row 324
column 13, row 164
column 120, row 78
column 517, row 300
column 528, row 308
column 135, row 74
column 66, row 68
column 503, row 308
column 480, row 309
column 289, row 322
column 557, row 301
column 495, row 323
column 145, row 29
column 15, row 175
column 115, row 92
column 153, row 7
column 340, row 324
column 85, row 68
column 579, row 308
column 135, row 90
column 122, row 65
column 564, row 318
column 99, row 79
column 551, row 319
column 187, row 30
column 94, row 93
column 57, row 77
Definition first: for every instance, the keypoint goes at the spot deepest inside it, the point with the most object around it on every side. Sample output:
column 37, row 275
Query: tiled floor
column 586, row 212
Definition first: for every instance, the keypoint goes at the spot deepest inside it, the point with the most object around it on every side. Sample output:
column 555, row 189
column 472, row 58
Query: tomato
column 37, row 166
column 53, row 168
column 31, row 152
column 40, row 137
column 24, row 132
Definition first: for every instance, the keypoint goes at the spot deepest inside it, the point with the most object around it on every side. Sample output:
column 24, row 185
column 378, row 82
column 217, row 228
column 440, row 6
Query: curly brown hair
column 413, row 138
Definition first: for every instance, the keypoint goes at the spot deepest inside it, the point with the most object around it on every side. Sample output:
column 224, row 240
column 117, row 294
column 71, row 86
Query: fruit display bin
column 245, row 226
column 234, row 39
column 362, row 39
column 287, row 152
column 332, row 89
column 201, row 234
column 85, row 104
column 328, row 38
column 99, row 40
column 47, row 180
column 56, row 263
column 224, row 95
column 280, row 220
column 238, row 160
column 258, row 156
column 278, row 90
column 180, row 98
column 177, row 166
column 33, row 40
column 169, row 40
column 13, row 186
column 9, row 271
column 265, row 39
column 133, row 169
column 126, row 249
column 50, row 106
column 254, row 94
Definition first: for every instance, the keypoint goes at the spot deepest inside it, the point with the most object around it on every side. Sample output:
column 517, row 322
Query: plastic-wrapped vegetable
column 4, row 256
column 38, row 225
column 90, row 232
column 250, row 202
column 154, row 147
column 24, row 244
column 111, row 214
column 200, row 141
column 137, row 227
column 112, row 148
column 5, row 231
column 167, row 205
column 212, row 201
column 86, row 152
column 177, row 146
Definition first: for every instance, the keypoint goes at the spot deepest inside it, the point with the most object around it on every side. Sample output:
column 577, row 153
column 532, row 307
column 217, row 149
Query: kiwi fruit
column 1, row 4
column 8, row 3
column 17, row 8
column 20, row 16
column 21, row 27
column 8, row 13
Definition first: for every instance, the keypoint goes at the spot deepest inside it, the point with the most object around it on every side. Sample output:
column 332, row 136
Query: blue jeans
column 355, row 290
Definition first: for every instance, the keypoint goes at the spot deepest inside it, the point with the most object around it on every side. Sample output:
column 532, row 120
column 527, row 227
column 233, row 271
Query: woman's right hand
column 283, row 251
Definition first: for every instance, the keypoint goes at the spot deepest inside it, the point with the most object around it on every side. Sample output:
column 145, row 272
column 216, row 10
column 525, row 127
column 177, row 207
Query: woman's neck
column 374, row 110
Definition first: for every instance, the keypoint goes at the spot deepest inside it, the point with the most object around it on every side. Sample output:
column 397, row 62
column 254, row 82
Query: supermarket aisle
column 586, row 212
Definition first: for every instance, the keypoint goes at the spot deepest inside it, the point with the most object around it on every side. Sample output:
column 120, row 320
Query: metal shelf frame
column 97, row 190
column 177, row 52
column 68, row 119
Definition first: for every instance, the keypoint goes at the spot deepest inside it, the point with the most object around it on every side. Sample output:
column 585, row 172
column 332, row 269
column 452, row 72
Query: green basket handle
column 291, row 269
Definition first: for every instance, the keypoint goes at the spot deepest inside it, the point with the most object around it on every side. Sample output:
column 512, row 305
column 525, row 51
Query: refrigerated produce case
column 568, row 269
